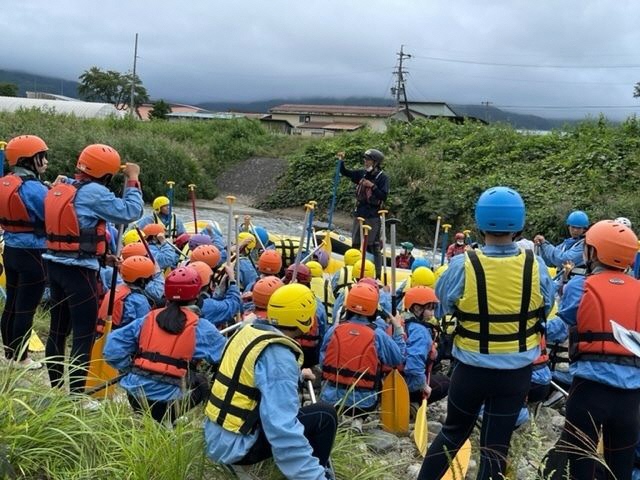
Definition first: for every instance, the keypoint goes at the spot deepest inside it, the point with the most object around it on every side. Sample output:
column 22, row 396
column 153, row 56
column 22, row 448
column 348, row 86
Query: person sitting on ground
column 457, row 247
column 172, row 224
column 422, row 331
column 162, row 251
column 605, row 393
column 405, row 259
column 570, row 250
column 353, row 353
column 258, row 415
column 161, row 349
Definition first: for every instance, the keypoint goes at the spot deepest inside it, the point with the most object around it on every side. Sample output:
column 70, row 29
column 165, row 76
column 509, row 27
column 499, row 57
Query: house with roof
column 430, row 110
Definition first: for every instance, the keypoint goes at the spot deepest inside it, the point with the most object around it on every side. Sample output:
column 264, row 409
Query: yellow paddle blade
column 460, row 464
column 35, row 344
column 394, row 404
column 99, row 370
column 421, row 432
column 327, row 244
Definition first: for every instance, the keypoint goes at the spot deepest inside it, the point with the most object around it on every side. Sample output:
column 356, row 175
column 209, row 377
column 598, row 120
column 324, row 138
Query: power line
column 524, row 65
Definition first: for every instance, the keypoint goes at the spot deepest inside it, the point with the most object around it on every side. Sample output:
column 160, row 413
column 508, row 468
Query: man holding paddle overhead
column 372, row 188
column 499, row 295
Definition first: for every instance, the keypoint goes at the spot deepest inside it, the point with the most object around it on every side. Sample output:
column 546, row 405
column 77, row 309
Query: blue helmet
column 500, row 210
column 420, row 262
column 261, row 233
column 578, row 219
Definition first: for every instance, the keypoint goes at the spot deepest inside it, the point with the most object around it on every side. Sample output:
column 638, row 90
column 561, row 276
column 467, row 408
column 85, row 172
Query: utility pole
column 132, row 107
column 400, row 91
column 486, row 110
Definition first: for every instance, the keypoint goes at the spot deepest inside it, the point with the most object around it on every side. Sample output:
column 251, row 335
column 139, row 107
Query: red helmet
column 208, row 254
column 362, row 299
column 182, row 240
column 419, row 296
column 137, row 267
column 459, row 236
column 98, row 160
column 24, row 146
column 132, row 249
column 182, row 284
column 303, row 276
column 270, row 262
column 263, row 289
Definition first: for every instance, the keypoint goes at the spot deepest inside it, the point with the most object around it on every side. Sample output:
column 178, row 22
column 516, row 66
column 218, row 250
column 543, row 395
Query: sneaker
column 29, row 364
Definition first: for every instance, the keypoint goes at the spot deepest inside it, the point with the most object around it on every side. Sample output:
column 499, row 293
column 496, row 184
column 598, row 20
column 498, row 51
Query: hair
column 172, row 319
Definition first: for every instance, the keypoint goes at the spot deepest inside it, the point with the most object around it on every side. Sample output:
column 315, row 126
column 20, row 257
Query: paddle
column 192, row 191
column 4, row 144
column 435, row 241
column 143, row 240
column 460, row 463
column 336, row 182
column 173, row 232
column 313, row 204
column 394, row 404
column 361, row 221
column 235, row 224
column 312, row 394
column 445, row 241
column 421, row 431
column 307, row 213
column 394, row 297
column 230, row 200
column 467, row 236
column 383, row 239
column 252, row 229
column 365, row 240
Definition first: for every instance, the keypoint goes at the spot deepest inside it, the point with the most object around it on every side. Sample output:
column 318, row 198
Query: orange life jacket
column 311, row 339
column 543, row 359
column 607, row 296
column 351, row 357
column 14, row 216
column 403, row 261
column 162, row 354
column 122, row 292
column 64, row 234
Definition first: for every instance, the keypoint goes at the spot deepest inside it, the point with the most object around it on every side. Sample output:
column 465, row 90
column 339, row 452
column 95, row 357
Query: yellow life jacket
column 321, row 287
column 234, row 398
column 345, row 279
column 501, row 307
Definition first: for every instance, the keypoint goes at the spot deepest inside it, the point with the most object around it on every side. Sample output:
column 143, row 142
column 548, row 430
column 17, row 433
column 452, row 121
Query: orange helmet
column 153, row 229
column 208, row 254
column 203, row 270
column 136, row 267
column 270, row 262
column 419, row 296
column 616, row 245
column 24, row 146
column 263, row 289
column 362, row 299
column 98, row 160
column 132, row 249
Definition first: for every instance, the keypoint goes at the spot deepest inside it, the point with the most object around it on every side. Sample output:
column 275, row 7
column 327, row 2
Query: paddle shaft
column 310, row 225
column 363, row 254
column 252, row 229
column 336, row 182
column 192, row 190
column 394, row 296
column 435, row 241
column 445, row 241
column 383, row 239
column 235, row 224
column 230, row 200
column 307, row 212
column 173, row 231
column 143, row 240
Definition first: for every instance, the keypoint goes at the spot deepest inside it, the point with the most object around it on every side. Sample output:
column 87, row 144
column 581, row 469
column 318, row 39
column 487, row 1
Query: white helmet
column 624, row 221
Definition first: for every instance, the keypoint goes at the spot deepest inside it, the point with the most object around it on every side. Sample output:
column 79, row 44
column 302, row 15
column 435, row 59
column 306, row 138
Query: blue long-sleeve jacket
column 164, row 255
column 123, row 343
column 450, row 288
column 32, row 193
column 95, row 202
column 222, row 310
column 570, row 250
column 248, row 274
column 391, row 352
column 135, row 306
column 619, row 376
column 276, row 376
column 419, row 342
column 165, row 219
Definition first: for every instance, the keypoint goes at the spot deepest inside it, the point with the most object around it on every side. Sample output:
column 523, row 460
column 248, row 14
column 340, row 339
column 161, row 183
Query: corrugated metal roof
column 361, row 111
column 77, row 108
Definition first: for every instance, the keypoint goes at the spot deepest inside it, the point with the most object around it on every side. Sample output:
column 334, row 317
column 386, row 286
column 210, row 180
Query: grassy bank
column 186, row 152
column 439, row 168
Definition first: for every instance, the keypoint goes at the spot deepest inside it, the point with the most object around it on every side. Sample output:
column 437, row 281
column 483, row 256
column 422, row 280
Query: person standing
column 174, row 227
column 22, row 196
column 372, row 188
column 457, row 247
column 500, row 295
column 76, row 212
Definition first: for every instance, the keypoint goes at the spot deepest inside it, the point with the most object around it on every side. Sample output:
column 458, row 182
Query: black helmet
column 376, row 155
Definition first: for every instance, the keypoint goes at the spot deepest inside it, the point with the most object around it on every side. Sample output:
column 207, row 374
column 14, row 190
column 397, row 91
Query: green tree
column 111, row 87
column 8, row 90
column 160, row 110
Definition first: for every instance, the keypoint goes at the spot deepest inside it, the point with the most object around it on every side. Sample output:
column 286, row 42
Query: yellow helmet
column 315, row 268
column 422, row 276
column 440, row 270
column 252, row 240
column 369, row 269
column 351, row 256
column 160, row 202
column 292, row 306
column 130, row 237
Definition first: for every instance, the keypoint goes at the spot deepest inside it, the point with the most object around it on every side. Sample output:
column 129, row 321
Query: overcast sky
column 556, row 57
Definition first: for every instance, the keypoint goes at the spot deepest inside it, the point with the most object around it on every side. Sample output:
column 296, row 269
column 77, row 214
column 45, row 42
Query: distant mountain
column 41, row 83
column 518, row 120
column 263, row 106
